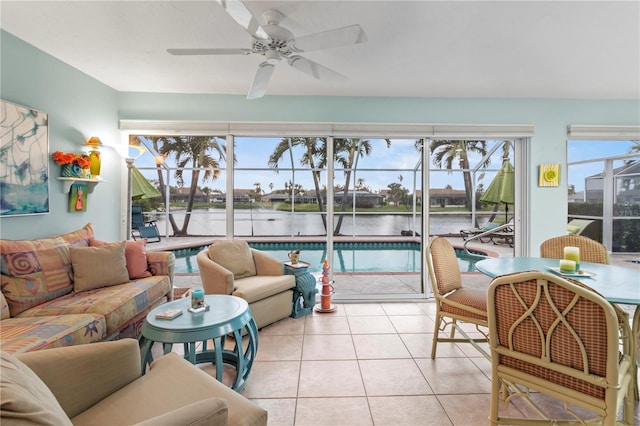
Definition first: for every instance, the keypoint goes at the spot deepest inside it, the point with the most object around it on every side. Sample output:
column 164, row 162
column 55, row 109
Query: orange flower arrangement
column 79, row 160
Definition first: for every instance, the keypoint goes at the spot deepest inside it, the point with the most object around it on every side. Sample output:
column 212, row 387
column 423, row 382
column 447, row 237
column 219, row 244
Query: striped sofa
column 72, row 289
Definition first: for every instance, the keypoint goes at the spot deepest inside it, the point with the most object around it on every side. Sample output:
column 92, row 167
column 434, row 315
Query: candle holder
column 573, row 253
column 197, row 301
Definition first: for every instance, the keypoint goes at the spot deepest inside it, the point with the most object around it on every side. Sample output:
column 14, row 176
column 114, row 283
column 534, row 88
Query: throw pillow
column 34, row 271
column 235, row 256
column 79, row 238
column 4, row 308
column 25, row 399
column 135, row 253
column 95, row 267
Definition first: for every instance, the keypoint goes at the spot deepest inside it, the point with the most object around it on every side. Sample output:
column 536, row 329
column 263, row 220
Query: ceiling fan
column 276, row 43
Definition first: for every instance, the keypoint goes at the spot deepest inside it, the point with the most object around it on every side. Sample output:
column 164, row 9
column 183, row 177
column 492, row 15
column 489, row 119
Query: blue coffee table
column 227, row 317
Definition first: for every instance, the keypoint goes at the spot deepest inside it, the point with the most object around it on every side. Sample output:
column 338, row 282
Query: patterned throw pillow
column 34, row 272
column 79, row 238
column 4, row 308
column 95, row 267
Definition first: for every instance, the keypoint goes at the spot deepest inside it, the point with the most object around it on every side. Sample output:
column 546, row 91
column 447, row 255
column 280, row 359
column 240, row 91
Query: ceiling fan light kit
column 275, row 43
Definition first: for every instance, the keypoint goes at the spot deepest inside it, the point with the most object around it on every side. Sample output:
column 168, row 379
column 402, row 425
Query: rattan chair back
column 590, row 250
column 444, row 264
column 560, row 338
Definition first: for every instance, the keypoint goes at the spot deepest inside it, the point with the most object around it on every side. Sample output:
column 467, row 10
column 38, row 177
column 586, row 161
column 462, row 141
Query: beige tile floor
column 369, row 364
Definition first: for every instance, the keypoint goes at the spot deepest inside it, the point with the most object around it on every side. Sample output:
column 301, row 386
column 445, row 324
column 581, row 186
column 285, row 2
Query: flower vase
column 71, row 170
column 94, row 157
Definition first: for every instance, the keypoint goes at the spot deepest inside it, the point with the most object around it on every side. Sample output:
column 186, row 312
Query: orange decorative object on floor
column 327, row 290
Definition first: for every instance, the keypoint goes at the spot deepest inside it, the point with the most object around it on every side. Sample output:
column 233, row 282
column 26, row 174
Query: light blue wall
column 78, row 106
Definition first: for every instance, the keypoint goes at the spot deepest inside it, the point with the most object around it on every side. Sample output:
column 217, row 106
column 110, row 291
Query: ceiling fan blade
column 314, row 69
column 243, row 16
column 231, row 51
column 353, row 34
column 261, row 80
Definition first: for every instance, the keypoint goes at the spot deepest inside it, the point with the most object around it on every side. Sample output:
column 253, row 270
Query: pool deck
column 363, row 286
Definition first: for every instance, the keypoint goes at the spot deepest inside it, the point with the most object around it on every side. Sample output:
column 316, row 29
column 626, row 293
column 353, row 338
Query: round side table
column 228, row 316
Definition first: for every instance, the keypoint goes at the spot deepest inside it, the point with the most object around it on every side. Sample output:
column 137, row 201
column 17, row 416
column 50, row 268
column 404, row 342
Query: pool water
column 359, row 257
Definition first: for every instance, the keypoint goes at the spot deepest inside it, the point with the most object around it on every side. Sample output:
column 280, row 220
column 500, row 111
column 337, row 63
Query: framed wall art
column 549, row 175
column 78, row 197
column 24, row 160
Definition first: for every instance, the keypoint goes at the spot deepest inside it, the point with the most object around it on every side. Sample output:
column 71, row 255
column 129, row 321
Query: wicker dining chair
column 590, row 250
column 454, row 302
column 562, row 339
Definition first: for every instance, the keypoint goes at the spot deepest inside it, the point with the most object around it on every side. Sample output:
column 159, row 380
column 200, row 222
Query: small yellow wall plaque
column 549, row 175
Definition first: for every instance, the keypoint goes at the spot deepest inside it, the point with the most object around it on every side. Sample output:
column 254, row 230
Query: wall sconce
column 160, row 159
column 94, row 145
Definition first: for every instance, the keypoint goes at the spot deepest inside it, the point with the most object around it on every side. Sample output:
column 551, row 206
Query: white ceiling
column 530, row 49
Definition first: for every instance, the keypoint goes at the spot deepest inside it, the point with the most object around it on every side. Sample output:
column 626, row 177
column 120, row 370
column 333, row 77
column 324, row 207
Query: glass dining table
column 615, row 283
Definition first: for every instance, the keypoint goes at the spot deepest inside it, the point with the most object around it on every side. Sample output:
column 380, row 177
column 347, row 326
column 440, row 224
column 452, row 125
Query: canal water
column 265, row 223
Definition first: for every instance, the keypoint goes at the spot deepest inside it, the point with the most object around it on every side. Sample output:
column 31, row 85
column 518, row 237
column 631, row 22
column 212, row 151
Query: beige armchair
column 101, row 384
column 232, row 267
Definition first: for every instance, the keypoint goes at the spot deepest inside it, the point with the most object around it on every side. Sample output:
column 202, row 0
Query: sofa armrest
column 266, row 264
column 80, row 376
column 216, row 279
column 209, row 412
column 161, row 263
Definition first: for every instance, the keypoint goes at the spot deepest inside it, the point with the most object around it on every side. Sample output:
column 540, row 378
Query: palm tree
column 445, row 152
column 257, row 191
column 314, row 157
column 347, row 152
column 192, row 151
column 155, row 143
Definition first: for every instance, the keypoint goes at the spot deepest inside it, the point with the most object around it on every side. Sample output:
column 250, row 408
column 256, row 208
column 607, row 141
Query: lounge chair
column 468, row 233
column 578, row 226
column 502, row 235
column 141, row 228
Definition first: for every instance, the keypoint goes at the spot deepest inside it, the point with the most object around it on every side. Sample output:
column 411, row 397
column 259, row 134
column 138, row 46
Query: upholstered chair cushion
column 235, row 256
column 95, row 267
column 25, row 399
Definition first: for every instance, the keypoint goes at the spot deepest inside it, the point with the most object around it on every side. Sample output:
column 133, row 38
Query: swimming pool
column 360, row 257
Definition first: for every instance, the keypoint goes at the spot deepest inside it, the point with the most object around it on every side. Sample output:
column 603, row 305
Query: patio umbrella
column 502, row 188
column 141, row 187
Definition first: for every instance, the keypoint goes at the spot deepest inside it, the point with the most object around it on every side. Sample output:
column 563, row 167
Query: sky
column 255, row 152
column 584, row 150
